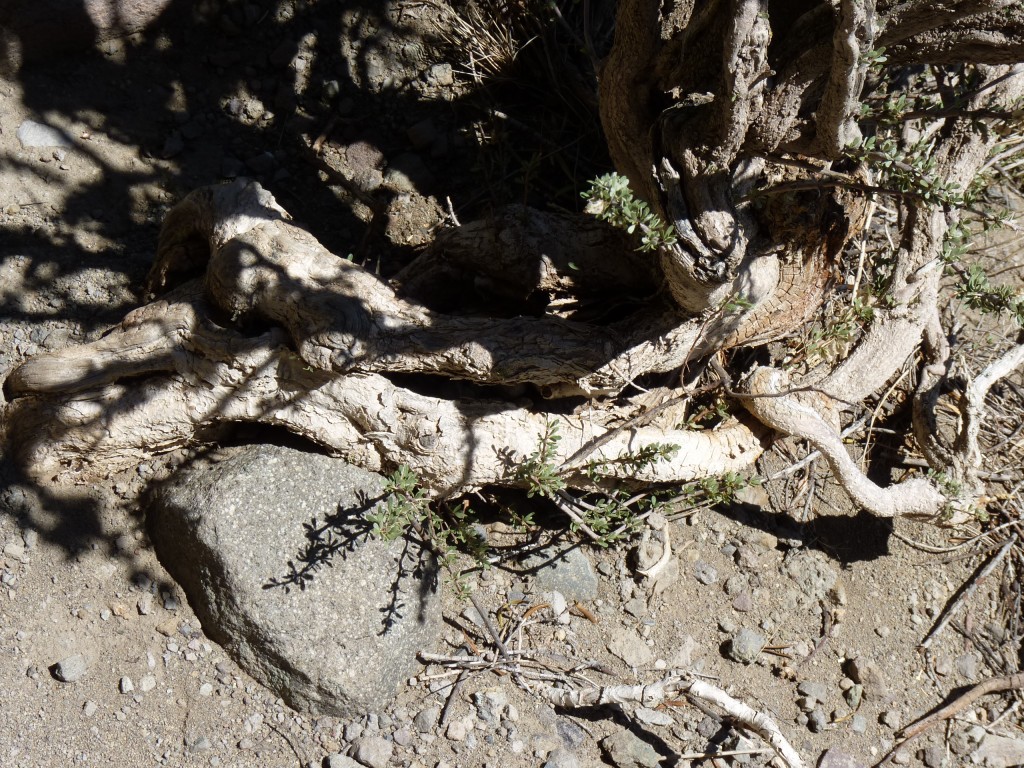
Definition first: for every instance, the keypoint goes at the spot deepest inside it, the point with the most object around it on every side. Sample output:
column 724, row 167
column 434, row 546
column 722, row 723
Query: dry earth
column 250, row 90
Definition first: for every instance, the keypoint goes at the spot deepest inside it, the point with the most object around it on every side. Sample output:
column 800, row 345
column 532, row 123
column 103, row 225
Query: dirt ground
column 369, row 130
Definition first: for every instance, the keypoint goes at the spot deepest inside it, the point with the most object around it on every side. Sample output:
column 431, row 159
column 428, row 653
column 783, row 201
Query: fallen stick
column 955, row 707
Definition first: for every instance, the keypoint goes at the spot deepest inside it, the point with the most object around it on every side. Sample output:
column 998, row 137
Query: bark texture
column 734, row 120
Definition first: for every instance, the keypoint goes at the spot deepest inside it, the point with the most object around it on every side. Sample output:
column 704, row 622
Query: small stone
column 627, row 646
column 813, row 690
column 1002, row 751
column 735, row 584
column 372, row 751
column 89, row 708
column 636, row 607
column 561, row 758
column 870, row 676
column 205, row 689
column 490, row 705
column 198, row 743
column 426, row 719
column 173, row 145
column 836, row 758
column 423, row 134
column 168, row 628
column 626, row 750
column 403, row 736
column 901, row 758
column 653, row 716
column 125, row 685
column 890, row 719
column 883, row 632
column 70, row 669
column 147, row 683
column 967, row 666
column 743, row 602
column 33, row 134
column 145, row 604
column 853, row 695
column 817, row 720
column 933, row 756
column 745, row 646
column 263, row 163
column 458, row 729
column 340, row 761
column 704, row 572
column 859, row 724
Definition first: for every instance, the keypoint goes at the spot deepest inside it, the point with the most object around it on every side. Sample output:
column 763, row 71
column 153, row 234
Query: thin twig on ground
column 955, row 707
column 965, row 595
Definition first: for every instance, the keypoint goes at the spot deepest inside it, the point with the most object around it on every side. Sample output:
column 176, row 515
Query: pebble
column 89, row 708
column 490, row 705
column 853, row 695
column 836, row 758
column 625, row 644
column 426, row 719
column 125, row 685
column 403, row 736
column 704, row 572
column 870, row 676
column 745, row 646
column 168, row 628
column 890, row 719
column 817, row 720
column 205, row 689
column 967, row 665
column 145, row 604
column 859, row 724
column 147, row 683
column 340, row 761
column 198, row 743
column 561, row 758
column 743, row 602
column 735, row 584
column 70, row 669
column 372, row 751
column 626, row 750
column 813, row 690
column 933, row 756
column 458, row 729
column 33, row 134
column 653, row 716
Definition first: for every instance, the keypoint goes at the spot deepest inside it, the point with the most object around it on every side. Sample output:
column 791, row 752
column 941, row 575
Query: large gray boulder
column 240, row 535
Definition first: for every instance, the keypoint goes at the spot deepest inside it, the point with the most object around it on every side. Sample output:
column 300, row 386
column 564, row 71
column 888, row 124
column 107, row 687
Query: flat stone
column 70, row 669
column 33, row 134
column 247, row 538
column 625, row 644
column 627, row 750
column 836, row 758
column 568, row 571
column 999, row 752
column 372, row 751
column 745, row 646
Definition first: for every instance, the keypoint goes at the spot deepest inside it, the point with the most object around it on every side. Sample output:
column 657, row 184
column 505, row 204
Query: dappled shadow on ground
column 276, row 91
